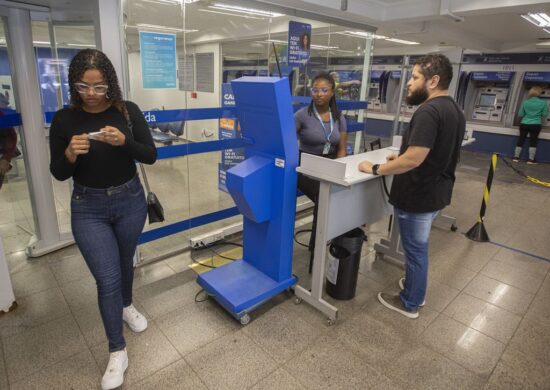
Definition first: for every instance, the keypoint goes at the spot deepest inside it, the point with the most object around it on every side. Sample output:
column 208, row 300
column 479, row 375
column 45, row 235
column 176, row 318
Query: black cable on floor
column 202, row 290
column 210, row 248
column 299, row 232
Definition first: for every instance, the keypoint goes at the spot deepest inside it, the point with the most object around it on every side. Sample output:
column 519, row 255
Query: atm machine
column 375, row 90
column 486, row 96
column 531, row 79
column 392, row 94
column 489, row 104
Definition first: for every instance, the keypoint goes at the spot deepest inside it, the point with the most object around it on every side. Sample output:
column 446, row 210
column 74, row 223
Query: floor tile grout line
column 482, row 332
column 501, row 281
column 458, row 363
column 47, row 366
column 520, row 251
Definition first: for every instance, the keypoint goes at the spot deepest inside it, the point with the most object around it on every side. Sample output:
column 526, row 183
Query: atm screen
column 373, row 92
column 487, row 100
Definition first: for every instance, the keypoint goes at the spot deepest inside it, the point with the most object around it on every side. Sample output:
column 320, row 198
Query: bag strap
column 141, row 167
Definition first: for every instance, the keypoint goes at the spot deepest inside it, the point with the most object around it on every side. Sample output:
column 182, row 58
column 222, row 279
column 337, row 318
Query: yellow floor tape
column 216, row 261
column 537, row 181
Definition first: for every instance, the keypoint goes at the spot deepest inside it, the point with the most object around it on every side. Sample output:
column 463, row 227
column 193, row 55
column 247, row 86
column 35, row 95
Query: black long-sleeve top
column 104, row 165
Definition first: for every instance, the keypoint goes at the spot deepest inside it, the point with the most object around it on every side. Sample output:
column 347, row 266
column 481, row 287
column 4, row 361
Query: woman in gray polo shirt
column 322, row 131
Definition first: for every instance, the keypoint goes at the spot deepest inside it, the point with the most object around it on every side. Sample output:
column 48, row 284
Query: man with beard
column 424, row 173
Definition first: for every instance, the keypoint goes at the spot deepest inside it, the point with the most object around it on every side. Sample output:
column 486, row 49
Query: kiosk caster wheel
column 330, row 321
column 245, row 319
column 454, row 228
column 297, row 301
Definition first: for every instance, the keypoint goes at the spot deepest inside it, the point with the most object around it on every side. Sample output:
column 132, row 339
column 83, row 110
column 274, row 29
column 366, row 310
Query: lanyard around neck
column 327, row 135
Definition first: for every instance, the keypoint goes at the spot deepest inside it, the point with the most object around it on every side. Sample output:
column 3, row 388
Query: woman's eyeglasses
column 85, row 88
column 322, row 91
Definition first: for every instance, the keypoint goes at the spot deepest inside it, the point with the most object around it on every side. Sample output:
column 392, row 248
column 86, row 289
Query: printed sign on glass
column 299, row 43
column 158, row 60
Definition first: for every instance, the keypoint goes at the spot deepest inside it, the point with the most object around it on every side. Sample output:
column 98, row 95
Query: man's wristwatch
column 375, row 169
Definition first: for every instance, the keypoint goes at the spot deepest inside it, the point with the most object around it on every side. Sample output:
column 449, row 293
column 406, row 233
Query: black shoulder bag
column 155, row 211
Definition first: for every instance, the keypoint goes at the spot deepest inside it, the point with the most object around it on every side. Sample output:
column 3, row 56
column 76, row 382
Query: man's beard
column 417, row 97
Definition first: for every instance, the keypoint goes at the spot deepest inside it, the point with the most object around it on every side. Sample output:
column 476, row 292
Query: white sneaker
column 402, row 287
column 135, row 320
column 114, row 374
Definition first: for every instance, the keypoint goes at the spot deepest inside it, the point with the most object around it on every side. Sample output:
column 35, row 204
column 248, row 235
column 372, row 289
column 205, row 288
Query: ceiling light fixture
column 170, row 2
column 538, row 19
column 243, row 10
column 363, row 34
column 157, row 27
column 404, row 42
column 79, row 45
column 547, row 30
column 230, row 14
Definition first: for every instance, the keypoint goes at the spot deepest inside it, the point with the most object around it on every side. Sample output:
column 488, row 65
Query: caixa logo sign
column 228, row 100
column 149, row 116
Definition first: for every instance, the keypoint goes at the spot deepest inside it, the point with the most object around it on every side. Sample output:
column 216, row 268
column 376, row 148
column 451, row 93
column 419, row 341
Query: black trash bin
column 343, row 264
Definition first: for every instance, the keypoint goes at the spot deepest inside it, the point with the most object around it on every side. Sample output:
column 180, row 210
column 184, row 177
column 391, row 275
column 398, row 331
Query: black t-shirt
column 439, row 125
column 104, row 165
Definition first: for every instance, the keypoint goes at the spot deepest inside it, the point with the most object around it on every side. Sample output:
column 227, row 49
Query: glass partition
column 215, row 43
column 16, row 215
column 55, row 45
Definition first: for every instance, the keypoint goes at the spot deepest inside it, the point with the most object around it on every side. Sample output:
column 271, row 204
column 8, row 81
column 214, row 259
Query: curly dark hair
column 336, row 113
column 436, row 64
column 89, row 59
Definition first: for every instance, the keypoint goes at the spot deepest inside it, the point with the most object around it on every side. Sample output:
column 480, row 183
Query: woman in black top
column 96, row 142
column 322, row 130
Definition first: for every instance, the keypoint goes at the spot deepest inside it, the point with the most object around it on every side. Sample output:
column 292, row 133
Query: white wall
column 170, row 99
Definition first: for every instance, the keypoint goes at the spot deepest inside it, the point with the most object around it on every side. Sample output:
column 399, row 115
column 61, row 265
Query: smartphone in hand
column 95, row 135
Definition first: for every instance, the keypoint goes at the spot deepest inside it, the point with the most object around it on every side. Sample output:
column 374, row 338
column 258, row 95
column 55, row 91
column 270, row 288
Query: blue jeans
column 415, row 233
column 106, row 226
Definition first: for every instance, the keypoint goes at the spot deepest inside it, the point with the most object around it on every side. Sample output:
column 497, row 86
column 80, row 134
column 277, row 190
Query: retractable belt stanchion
column 478, row 232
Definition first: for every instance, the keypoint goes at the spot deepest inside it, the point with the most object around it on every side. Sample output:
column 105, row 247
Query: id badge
column 326, row 148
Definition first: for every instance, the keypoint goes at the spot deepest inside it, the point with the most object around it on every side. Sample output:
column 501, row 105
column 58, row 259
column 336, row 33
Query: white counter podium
column 347, row 199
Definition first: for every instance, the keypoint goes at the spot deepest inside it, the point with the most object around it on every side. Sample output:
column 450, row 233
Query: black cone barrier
column 478, row 231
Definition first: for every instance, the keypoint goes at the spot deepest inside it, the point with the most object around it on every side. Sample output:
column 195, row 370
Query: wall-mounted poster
column 299, row 43
column 158, row 60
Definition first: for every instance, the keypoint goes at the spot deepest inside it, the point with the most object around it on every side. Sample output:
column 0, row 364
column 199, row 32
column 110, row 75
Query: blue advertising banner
column 395, row 74
column 507, row 58
column 376, row 74
column 158, row 60
column 492, row 76
column 537, row 77
column 228, row 100
column 228, row 129
column 299, row 43
column 387, row 60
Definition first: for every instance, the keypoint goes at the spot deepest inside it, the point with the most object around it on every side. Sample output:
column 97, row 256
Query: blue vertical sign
column 158, row 60
column 299, row 43
column 228, row 128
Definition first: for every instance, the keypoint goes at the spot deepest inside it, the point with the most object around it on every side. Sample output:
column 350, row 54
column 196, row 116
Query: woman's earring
column 107, row 96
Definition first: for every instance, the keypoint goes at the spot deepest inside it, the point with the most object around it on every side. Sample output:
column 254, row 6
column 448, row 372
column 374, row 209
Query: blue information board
column 228, row 128
column 299, row 43
column 492, row 76
column 537, row 77
column 158, row 60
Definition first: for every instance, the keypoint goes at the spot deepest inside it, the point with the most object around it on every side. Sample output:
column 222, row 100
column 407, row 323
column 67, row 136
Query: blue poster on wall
column 299, row 43
column 228, row 128
column 158, row 60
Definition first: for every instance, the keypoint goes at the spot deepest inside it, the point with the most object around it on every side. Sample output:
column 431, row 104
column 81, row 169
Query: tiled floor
column 486, row 323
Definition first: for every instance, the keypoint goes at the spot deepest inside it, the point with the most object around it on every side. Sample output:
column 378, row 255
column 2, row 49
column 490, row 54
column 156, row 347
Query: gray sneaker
column 393, row 302
column 402, row 287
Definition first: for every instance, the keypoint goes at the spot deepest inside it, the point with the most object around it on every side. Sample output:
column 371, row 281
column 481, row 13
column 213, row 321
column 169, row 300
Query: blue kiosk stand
column 263, row 187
